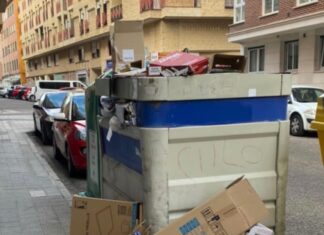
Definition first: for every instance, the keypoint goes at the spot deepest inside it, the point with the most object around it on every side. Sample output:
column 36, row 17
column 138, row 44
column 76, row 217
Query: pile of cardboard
column 232, row 212
column 129, row 57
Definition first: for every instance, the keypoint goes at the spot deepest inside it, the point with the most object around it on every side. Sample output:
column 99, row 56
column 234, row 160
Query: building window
column 256, row 59
column 71, row 56
column 95, row 50
column 322, row 51
column 291, row 55
column 56, row 59
column 239, row 11
column 303, row 2
column 270, row 6
column 81, row 54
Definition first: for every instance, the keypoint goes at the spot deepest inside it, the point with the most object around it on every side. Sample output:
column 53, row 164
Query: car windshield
column 307, row 95
column 54, row 100
column 78, row 108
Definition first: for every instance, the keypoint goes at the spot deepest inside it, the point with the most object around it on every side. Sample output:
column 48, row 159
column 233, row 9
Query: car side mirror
column 289, row 101
column 36, row 106
column 60, row 117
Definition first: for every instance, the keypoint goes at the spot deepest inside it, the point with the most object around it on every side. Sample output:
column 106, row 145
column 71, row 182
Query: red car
column 16, row 91
column 26, row 93
column 69, row 132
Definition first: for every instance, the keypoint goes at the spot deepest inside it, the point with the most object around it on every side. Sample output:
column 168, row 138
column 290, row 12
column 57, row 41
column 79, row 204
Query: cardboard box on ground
column 232, row 212
column 93, row 216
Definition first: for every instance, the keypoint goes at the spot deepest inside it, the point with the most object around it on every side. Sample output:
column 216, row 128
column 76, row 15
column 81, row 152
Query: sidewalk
column 33, row 200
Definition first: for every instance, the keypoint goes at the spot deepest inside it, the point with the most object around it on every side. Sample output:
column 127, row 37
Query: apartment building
column 282, row 36
column 69, row 39
column 11, row 56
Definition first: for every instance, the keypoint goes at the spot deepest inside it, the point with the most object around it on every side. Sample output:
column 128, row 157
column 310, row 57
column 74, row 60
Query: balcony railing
column 147, row 5
column 116, row 13
column 229, row 3
column 71, row 30
column 58, row 7
column 66, row 34
column 64, row 5
column 86, row 26
column 60, row 36
column 104, row 18
column 98, row 21
column 54, row 40
column 81, row 28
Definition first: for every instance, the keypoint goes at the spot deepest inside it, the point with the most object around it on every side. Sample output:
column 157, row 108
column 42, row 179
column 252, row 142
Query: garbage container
column 193, row 136
column 318, row 124
column 93, row 160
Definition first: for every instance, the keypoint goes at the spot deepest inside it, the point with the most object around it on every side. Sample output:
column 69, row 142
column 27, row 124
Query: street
column 305, row 182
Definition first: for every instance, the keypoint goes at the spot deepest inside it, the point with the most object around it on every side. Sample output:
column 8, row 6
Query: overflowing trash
column 236, row 210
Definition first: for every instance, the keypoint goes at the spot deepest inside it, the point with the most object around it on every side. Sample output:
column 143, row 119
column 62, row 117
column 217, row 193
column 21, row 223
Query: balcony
column 64, row 5
column 147, row 5
column 104, row 18
column 81, row 27
column 229, row 4
column 58, row 7
column 98, row 21
column 158, row 9
column 116, row 13
column 60, row 36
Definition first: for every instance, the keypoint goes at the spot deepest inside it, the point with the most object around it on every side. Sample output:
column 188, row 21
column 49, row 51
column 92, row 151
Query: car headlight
column 310, row 112
column 81, row 134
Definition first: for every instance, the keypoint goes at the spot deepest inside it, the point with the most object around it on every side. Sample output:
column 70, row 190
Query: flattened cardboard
column 99, row 216
column 232, row 212
column 127, row 43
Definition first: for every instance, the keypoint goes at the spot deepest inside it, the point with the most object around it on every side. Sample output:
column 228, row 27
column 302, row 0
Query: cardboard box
column 232, row 212
column 90, row 216
column 127, row 40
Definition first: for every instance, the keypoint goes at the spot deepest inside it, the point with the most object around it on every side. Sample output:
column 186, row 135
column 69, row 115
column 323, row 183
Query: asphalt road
column 305, row 192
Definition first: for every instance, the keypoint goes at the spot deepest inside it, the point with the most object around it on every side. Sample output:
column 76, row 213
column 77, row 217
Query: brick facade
column 288, row 9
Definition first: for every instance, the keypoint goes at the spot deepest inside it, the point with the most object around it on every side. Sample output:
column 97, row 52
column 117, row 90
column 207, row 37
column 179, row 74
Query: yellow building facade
column 69, row 39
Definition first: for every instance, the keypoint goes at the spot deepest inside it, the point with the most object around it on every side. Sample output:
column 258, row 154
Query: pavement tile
column 11, row 230
column 22, row 170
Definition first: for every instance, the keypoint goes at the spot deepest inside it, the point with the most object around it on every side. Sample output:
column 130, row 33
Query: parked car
column 3, row 91
column 43, row 86
column 302, row 105
column 21, row 92
column 26, row 92
column 43, row 111
column 10, row 91
column 16, row 91
column 31, row 94
column 69, row 132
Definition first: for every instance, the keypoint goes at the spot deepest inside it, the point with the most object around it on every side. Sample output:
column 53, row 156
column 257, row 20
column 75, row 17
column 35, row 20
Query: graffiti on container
column 193, row 159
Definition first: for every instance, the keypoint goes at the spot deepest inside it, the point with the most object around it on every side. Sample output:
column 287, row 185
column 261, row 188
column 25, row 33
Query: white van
column 43, row 86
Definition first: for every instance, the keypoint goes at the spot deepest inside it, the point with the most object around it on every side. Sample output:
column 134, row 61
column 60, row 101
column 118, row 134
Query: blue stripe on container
column 122, row 149
column 210, row 112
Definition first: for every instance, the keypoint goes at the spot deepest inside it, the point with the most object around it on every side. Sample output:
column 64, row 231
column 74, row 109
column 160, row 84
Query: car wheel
column 296, row 125
column 44, row 135
column 56, row 152
column 70, row 165
column 32, row 98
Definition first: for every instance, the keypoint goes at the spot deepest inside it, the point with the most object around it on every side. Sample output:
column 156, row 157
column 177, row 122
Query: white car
column 3, row 91
column 302, row 105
